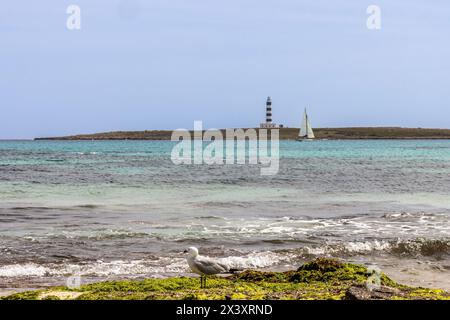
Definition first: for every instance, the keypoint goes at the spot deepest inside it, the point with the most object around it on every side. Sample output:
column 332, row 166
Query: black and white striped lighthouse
column 269, row 111
column 268, row 124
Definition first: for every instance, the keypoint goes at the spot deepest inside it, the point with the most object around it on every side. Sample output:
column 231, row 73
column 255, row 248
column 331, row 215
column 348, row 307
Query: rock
column 361, row 292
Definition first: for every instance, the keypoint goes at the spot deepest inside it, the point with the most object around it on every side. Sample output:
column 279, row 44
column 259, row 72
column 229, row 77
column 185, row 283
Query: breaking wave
column 407, row 248
column 290, row 258
column 160, row 266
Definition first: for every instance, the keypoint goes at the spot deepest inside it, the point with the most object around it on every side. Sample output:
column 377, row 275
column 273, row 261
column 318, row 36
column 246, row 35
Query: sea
column 107, row 210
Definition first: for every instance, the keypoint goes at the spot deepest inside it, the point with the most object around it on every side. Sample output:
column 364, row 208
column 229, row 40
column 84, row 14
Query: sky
column 161, row 64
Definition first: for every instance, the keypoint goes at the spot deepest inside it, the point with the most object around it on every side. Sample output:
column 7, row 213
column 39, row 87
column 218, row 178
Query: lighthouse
column 268, row 124
column 269, row 110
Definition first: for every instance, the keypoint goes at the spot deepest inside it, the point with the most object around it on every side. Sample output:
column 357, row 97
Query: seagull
column 205, row 266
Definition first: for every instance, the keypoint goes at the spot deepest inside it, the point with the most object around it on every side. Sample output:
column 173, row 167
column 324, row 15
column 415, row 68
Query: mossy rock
column 258, row 276
column 327, row 270
column 322, row 265
column 27, row 295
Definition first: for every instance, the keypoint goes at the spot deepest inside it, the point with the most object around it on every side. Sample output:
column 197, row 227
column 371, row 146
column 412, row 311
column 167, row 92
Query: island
column 285, row 134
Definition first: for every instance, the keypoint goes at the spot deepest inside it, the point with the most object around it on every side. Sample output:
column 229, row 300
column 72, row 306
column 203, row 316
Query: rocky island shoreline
column 285, row 134
column 321, row 279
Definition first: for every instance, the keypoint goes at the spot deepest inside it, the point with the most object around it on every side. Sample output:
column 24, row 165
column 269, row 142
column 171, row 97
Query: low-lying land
column 285, row 134
column 320, row 279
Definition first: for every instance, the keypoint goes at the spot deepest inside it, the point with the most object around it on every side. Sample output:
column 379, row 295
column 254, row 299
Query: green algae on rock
column 317, row 280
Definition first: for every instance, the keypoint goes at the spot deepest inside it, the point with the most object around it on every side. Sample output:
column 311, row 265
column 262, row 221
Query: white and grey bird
column 205, row 266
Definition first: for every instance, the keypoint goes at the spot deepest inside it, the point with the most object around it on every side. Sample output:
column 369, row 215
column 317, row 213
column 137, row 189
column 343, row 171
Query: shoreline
column 320, row 279
column 351, row 133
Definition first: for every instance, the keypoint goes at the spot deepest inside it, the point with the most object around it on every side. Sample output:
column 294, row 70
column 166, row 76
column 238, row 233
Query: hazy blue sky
column 161, row 64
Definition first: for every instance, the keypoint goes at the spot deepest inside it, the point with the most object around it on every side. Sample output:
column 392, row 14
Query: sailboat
column 306, row 131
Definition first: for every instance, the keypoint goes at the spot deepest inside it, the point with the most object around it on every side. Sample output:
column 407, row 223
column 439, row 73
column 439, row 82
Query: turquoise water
column 121, row 209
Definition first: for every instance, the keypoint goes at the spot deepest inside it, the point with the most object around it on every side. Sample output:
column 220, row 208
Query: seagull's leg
column 205, row 280
column 201, row 281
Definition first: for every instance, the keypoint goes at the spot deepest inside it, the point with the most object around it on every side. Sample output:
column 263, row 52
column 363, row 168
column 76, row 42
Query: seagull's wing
column 209, row 266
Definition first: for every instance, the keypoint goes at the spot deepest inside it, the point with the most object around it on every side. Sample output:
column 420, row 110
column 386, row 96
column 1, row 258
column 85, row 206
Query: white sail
column 306, row 130
column 304, row 127
column 310, row 130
